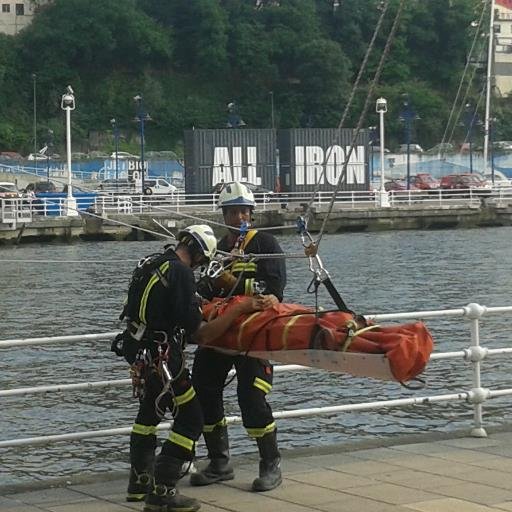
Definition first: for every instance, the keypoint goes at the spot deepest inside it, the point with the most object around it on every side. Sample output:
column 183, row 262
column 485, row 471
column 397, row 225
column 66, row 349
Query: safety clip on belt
column 316, row 266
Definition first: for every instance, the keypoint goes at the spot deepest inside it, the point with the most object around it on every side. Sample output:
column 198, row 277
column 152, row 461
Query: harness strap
column 352, row 334
column 248, row 237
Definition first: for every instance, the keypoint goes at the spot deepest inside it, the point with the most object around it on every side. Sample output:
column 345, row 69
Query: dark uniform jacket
column 270, row 273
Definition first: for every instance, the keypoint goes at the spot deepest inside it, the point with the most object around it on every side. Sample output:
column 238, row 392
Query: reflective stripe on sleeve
column 244, row 267
column 143, row 430
column 249, row 287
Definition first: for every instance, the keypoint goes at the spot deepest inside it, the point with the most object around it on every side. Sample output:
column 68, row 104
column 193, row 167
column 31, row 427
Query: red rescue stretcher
column 335, row 340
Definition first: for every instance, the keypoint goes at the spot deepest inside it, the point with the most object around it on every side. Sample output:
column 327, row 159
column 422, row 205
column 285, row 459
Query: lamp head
column 68, row 99
column 381, row 105
column 137, row 98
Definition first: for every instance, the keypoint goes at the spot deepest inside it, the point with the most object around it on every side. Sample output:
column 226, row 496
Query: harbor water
column 50, row 290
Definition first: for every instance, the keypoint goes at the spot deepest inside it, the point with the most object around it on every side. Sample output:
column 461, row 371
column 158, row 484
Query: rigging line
column 207, row 221
column 163, row 227
column 349, row 102
column 112, row 221
column 473, row 118
column 86, row 262
column 262, row 256
column 371, row 90
column 473, row 44
column 466, row 94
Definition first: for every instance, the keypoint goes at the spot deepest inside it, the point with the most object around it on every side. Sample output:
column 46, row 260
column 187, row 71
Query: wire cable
column 362, row 117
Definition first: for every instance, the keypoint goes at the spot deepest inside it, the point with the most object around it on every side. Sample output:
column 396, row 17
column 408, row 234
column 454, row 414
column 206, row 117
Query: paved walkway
column 451, row 475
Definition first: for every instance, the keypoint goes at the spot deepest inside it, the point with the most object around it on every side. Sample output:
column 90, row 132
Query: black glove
column 205, row 288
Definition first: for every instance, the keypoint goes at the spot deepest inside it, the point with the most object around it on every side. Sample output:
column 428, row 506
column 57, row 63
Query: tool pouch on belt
column 125, row 346
column 117, row 345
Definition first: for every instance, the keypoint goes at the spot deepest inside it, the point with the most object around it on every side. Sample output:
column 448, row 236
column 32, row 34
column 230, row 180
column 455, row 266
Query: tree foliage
column 189, row 58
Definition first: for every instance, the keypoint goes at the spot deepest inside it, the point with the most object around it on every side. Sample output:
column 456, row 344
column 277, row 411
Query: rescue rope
column 473, row 44
column 349, row 102
column 85, row 262
column 362, row 117
column 464, row 98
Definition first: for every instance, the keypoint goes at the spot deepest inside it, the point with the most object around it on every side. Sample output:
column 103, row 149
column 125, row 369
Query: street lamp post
column 141, row 117
column 470, row 120
column 49, row 150
column 381, row 107
column 372, row 139
column 34, row 101
column 492, row 126
column 408, row 116
column 115, row 131
column 68, row 104
column 272, row 109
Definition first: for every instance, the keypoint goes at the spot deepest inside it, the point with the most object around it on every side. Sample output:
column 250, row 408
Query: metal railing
column 475, row 354
column 179, row 201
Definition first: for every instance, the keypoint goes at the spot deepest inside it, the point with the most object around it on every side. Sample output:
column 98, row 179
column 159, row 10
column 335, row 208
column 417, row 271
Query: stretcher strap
column 352, row 334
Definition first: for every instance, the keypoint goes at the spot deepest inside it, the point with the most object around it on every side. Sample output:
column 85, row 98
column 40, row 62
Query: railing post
column 476, row 354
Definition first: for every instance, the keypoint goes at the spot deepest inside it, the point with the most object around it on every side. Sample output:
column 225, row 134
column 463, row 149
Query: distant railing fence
column 112, row 203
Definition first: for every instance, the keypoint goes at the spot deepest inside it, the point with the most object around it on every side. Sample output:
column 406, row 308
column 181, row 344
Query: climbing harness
column 139, row 373
column 164, row 372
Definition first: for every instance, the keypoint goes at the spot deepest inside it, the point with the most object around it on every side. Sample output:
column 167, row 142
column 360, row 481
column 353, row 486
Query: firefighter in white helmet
column 162, row 302
column 211, row 368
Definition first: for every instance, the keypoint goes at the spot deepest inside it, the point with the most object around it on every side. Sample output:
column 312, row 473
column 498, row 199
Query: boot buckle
column 162, row 490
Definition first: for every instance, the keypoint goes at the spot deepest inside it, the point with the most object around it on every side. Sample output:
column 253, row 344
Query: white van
column 158, row 186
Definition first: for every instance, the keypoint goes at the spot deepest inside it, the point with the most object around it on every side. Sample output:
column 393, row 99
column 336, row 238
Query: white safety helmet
column 203, row 235
column 236, row 194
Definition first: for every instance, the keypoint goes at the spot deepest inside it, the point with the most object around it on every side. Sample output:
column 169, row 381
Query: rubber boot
column 219, row 467
column 142, row 459
column 270, row 464
column 165, row 496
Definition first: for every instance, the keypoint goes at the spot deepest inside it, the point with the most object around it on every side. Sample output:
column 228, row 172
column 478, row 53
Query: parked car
column 42, row 187
column 424, row 181
column 122, row 186
column 398, row 184
column 502, row 145
column 158, row 186
column 500, row 180
column 413, row 148
column 10, row 155
column 8, row 190
column 465, row 181
column 123, row 155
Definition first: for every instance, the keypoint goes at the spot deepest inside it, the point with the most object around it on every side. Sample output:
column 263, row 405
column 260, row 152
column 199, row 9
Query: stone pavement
column 443, row 475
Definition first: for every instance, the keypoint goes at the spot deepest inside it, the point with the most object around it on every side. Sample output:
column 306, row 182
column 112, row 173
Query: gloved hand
column 225, row 281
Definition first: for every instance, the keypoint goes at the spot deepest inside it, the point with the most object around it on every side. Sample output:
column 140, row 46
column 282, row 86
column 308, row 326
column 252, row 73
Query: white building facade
column 503, row 47
column 17, row 14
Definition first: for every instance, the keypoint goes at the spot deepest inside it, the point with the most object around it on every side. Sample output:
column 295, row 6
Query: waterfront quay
column 435, row 473
column 115, row 222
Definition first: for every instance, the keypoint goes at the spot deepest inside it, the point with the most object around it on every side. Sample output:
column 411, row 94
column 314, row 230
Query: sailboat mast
column 488, row 86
